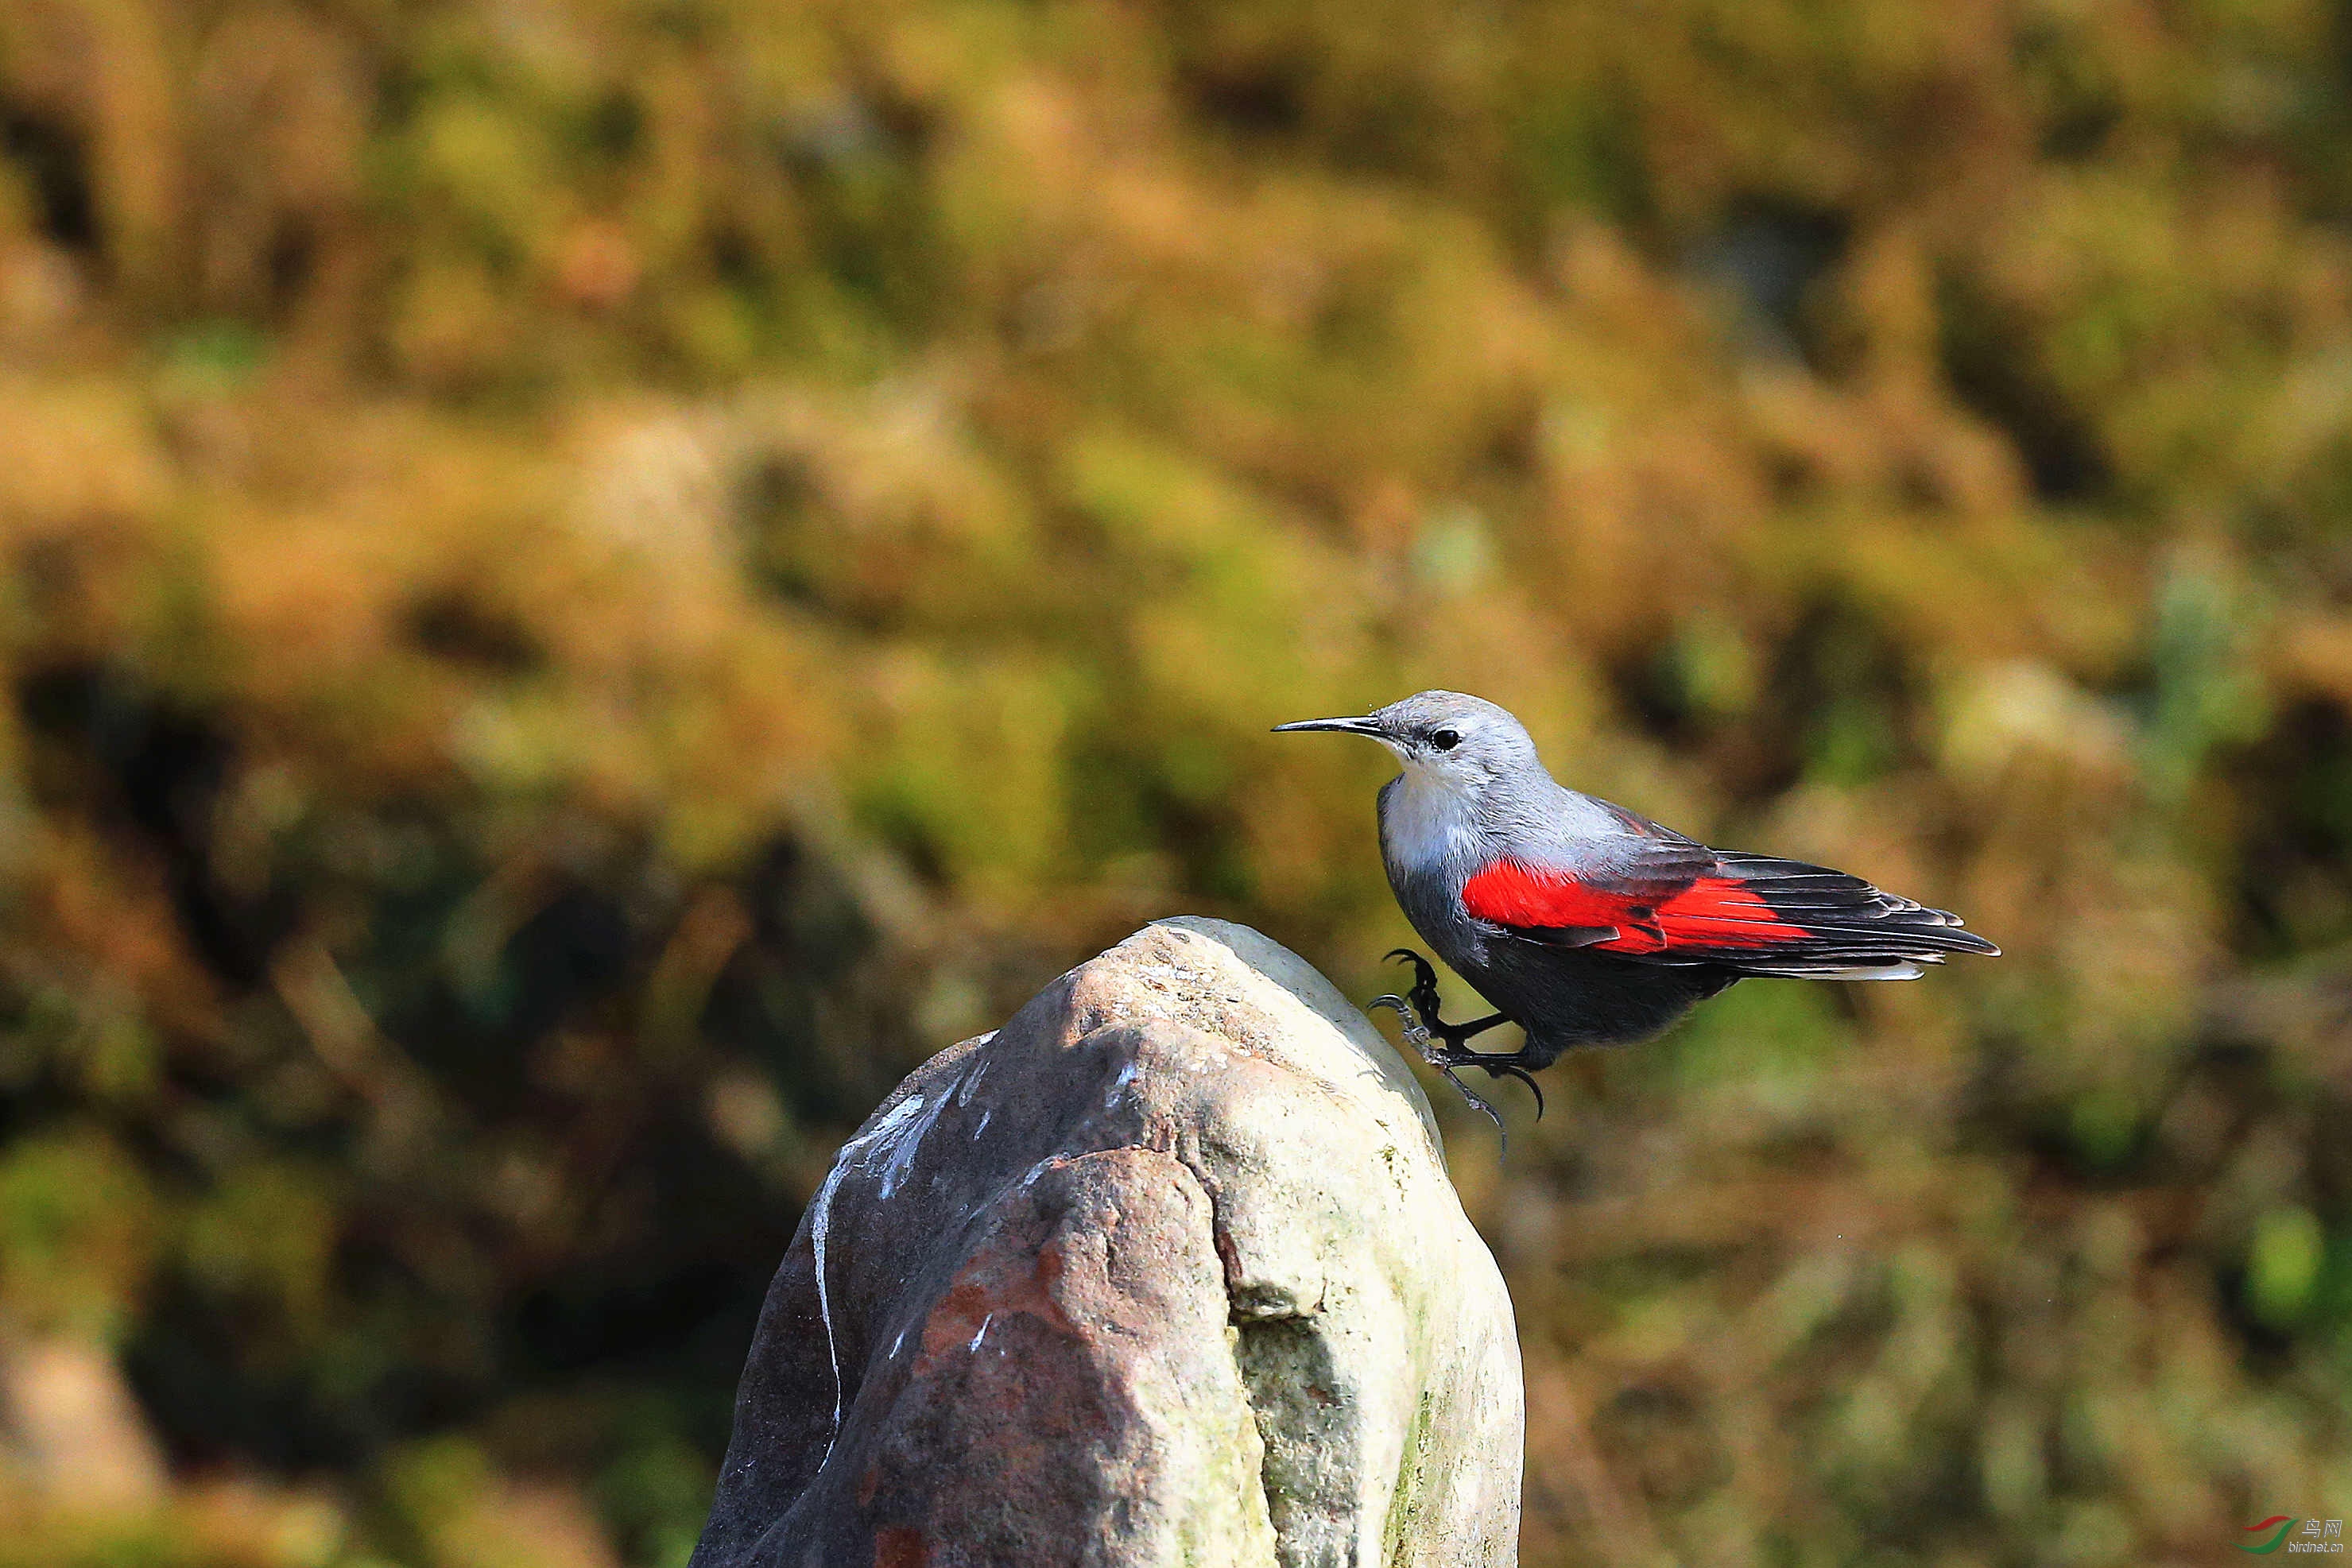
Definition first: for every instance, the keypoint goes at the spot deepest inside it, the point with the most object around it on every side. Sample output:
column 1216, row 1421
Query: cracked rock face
column 1166, row 1271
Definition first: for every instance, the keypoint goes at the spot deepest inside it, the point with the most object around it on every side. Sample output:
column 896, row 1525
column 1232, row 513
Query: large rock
column 1166, row 1271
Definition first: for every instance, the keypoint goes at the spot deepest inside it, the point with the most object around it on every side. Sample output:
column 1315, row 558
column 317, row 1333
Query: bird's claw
column 1422, row 973
column 1446, row 1060
column 1415, row 1034
column 1423, row 993
column 1417, row 1011
column 1476, row 1104
column 1524, row 1076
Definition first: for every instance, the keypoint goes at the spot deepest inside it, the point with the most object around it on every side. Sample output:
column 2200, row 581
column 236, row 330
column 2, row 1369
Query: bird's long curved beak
column 1344, row 726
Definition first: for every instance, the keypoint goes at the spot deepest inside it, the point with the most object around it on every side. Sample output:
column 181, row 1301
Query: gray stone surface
column 1167, row 1271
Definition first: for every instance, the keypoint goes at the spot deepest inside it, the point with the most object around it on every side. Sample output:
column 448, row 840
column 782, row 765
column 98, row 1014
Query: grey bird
column 1581, row 922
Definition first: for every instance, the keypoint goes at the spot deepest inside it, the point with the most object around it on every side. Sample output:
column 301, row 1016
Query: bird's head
column 1457, row 742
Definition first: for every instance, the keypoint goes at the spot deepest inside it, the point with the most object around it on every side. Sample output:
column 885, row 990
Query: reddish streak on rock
column 988, row 1289
column 901, row 1546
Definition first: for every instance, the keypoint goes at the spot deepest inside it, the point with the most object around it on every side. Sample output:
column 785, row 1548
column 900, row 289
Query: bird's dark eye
column 1445, row 739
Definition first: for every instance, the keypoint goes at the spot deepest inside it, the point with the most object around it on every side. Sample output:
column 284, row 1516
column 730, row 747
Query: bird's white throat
column 1429, row 817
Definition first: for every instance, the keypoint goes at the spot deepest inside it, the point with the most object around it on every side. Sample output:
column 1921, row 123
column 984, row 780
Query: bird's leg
column 1437, row 1056
column 1443, row 1045
column 1423, row 998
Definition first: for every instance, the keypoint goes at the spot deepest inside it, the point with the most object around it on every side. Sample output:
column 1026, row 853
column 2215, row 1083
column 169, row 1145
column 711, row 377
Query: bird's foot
column 1494, row 1063
column 1443, row 1045
column 1423, row 997
column 1417, row 1035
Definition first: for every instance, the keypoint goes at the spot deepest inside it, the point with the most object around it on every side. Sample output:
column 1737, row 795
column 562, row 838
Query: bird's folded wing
column 1680, row 903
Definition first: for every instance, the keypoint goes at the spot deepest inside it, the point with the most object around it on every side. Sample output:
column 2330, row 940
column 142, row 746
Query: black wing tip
column 1956, row 938
column 1929, row 946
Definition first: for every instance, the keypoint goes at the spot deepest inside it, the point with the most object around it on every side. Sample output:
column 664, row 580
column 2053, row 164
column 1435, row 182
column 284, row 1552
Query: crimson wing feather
column 1676, row 902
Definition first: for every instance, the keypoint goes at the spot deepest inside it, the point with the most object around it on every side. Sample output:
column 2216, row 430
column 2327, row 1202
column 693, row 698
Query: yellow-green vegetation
column 586, row 581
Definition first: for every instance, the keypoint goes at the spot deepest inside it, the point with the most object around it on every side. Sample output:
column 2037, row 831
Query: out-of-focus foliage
column 586, row 580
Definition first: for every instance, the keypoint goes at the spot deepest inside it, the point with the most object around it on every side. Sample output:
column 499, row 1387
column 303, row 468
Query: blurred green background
column 584, row 582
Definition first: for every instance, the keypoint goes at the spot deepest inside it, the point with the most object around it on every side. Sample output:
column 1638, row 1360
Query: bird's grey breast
column 1431, row 844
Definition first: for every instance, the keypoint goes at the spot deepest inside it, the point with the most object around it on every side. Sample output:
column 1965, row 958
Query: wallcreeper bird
column 1585, row 923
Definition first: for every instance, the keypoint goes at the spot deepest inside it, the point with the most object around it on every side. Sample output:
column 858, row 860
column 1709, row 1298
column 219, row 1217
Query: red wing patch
column 1723, row 912
column 1710, row 911
column 1509, row 893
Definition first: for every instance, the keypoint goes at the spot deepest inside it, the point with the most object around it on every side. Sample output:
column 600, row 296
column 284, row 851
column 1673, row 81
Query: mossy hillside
column 586, row 585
